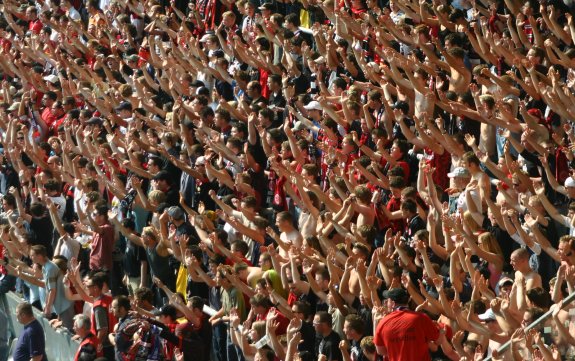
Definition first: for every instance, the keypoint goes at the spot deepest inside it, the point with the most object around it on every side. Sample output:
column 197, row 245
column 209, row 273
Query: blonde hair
column 260, row 328
column 150, row 232
column 489, row 243
column 157, row 196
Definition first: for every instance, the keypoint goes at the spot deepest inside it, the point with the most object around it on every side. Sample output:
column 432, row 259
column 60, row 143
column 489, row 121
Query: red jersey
column 405, row 334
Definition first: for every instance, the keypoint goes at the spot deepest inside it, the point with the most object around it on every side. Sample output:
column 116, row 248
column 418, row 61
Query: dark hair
column 197, row 302
column 124, row 302
column 324, row 317
column 356, row 323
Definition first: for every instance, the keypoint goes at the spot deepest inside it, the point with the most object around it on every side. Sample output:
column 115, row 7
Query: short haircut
column 25, row 309
column 356, row 323
column 82, row 321
column 521, row 253
column 124, row 302
column 324, row 317
column 39, row 250
column 197, row 302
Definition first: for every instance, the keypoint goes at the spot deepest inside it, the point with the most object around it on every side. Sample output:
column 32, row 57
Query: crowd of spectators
column 336, row 180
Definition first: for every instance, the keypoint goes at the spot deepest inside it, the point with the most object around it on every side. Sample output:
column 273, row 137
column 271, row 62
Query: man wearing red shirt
column 47, row 114
column 34, row 24
column 403, row 335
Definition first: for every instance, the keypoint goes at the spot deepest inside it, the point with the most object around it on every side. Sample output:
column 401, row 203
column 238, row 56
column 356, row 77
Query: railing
column 59, row 344
column 534, row 324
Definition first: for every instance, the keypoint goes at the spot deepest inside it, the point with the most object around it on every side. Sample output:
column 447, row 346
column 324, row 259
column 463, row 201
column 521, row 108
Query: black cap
column 197, row 83
column 266, row 6
column 169, row 310
column 401, row 105
column 397, row 295
column 94, row 121
column 124, row 106
column 163, row 175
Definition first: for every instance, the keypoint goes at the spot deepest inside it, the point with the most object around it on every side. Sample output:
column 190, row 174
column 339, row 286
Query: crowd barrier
column 59, row 344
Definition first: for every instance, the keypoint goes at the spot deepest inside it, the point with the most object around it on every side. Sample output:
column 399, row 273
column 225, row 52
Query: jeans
column 4, row 350
column 219, row 342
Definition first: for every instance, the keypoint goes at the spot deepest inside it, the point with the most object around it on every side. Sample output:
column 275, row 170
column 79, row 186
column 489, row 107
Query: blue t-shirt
column 30, row 343
column 54, row 279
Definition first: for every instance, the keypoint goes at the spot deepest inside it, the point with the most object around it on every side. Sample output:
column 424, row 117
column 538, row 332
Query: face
column 564, row 251
column 348, row 331
column 395, row 152
column 515, row 262
column 317, row 325
column 115, row 309
column 92, row 289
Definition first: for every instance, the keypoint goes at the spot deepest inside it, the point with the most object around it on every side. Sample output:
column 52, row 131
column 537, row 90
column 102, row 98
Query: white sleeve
column 536, row 247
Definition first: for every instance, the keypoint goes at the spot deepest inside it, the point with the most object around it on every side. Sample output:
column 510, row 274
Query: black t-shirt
column 133, row 257
column 200, row 289
column 43, row 231
column 329, row 346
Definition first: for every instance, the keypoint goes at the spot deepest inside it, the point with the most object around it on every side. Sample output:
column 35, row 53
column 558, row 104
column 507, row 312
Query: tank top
column 160, row 266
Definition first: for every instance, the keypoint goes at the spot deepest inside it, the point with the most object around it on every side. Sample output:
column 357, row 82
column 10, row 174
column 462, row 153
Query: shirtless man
column 289, row 234
column 362, row 205
column 460, row 76
column 520, row 263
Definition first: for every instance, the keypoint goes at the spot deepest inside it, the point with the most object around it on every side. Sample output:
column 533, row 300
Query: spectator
column 31, row 343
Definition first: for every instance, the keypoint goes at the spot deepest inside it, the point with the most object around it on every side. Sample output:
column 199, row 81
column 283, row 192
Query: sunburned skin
column 459, row 81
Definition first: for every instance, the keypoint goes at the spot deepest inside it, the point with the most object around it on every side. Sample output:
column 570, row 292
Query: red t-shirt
column 102, row 248
column 405, row 335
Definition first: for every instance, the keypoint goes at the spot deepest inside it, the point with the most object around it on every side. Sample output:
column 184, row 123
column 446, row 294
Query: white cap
column 313, row 105
column 488, row 315
column 201, row 160
column 52, row 78
column 569, row 182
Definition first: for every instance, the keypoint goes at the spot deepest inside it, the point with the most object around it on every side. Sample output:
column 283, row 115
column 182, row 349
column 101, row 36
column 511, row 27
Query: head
column 520, row 260
column 39, row 254
column 24, row 313
column 322, row 322
column 353, row 327
column 121, row 306
column 82, row 325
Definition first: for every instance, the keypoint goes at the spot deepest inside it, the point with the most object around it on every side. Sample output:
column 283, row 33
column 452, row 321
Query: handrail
column 534, row 324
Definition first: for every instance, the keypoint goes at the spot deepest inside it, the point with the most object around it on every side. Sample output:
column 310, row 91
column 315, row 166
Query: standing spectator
column 102, row 241
column 89, row 348
column 403, row 334
column 4, row 336
column 56, row 301
column 31, row 343
column 103, row 320
column 327, row 337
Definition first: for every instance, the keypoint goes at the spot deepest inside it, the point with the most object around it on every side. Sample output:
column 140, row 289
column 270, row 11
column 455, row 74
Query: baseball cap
column 14, row 106
column 313, row 105
column 298, row 126
column 163, row 175
column 488, row 315
column 266, row 6
column 51, row 78
column 176, row 212
column 218, row 53
column 168, row 310
column 569, row 182
column 398, row 295
column 94, row 121
column 401, row 105
column 124, row 106
column 505, row 281
column 197, row 83
column 206, row 37
column 201, row 160
column 459, row 172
